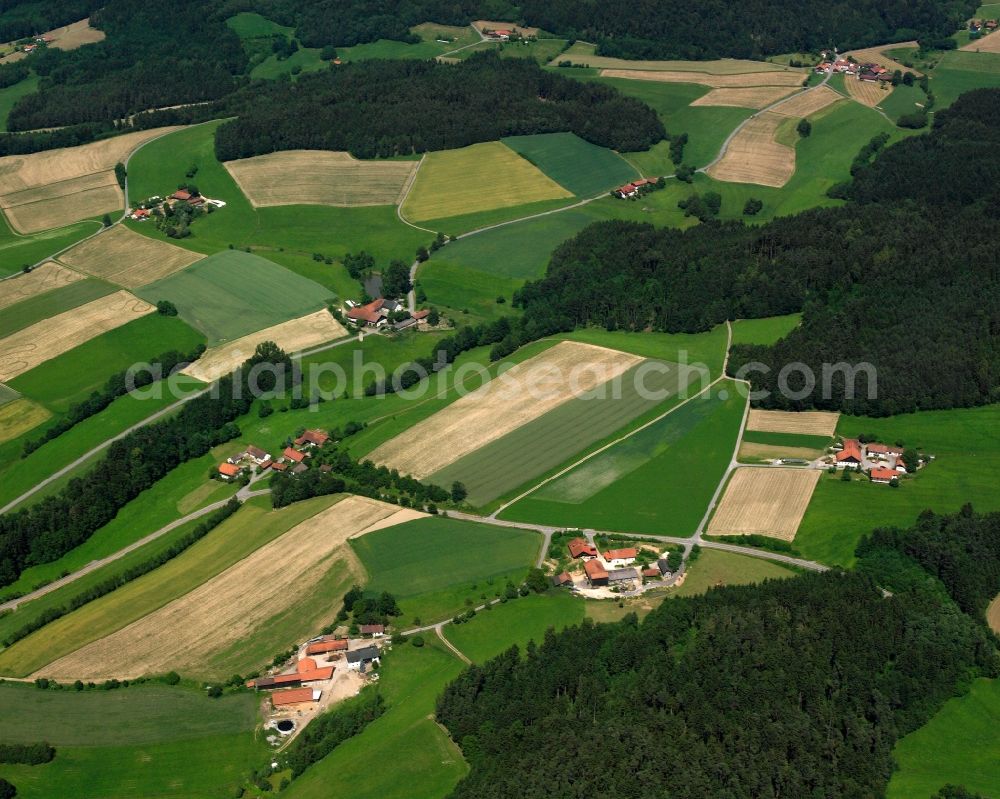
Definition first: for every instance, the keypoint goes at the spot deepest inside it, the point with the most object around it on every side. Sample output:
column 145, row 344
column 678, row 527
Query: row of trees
column 385, row 108
column 796, row 687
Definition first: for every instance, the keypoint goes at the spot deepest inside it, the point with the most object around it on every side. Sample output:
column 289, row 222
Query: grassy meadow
column 764, row 331
column 19, row 416
column 17, row 251
column 11, row 94
column 436, row 566
column 582, row 168
column 41, row 306
column 678, row 459
column 435, row 40
column 966, row 444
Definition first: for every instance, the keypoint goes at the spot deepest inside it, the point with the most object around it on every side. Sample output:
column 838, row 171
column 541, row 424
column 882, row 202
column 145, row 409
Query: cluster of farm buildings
column 379, row 313
column 867, row 72
column 634, row 189
column 40, row 41
column 292, row 458
column 612, row 568
column 883, row 462
column 981, row 27
column 150, row 206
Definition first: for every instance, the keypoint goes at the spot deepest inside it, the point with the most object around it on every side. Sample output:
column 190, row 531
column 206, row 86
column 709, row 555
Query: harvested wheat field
column 57, row 187
column 320, row 177
column 233, row 605
column 993, row 615
column 867, row 92
column 790, row 79
column 399, row 517
column 46, row 277
column 808, row 103
column 751, row 451
column 69, row 37
column 127, row 258
column 721, row 66
column 43, row 340
column 766, row 501
column 807, row 423
column 753, row 156
column 875, row 55
column 752, row 97
column 294, row 335
column 987, row 44
column 507, row 402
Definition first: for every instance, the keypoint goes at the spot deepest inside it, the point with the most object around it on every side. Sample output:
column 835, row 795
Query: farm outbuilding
column 360, row 659
column 596, row 574
column 295, row 696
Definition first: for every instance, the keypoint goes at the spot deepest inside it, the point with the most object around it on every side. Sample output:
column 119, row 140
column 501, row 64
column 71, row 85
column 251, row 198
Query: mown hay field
column 42, row 306
column 754, row 156
column 47, row 277
column 752, row 452
column 518, row 396
column 20, row 416
column 716, row 81
column 236, row 604
column 807, row 423
column 56, row 187
column 750, row 97
column 808, row 103
column 294, row 335
column 867, row 92
column 70, row 37
column 234, row 293
column 764, row 501
column 582, row 53
column 876, row 55
column 481, row 177
column 36, row 344
column 580, row 167
column 987, row 44
column 320, row 177
column 127, row 258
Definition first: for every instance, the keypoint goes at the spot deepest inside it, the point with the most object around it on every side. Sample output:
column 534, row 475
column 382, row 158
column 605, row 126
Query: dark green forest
column 911, row 286
column 399, row 107
column 795, row 687
column 22, row 18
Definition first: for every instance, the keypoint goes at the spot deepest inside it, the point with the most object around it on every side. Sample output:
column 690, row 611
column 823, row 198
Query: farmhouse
column 883, row 475
column 621, row 557
column 360, row 659
column 559, row 580
column 305, row 672
column 371, row 314
column 229, row 471
column 596, row 573
column 663, row 566
column 578, row 548
column 298, row 468
column 652, row 573
column 295, row 696
column 326, row 645
column 632, row 189
column 257, row 454
column 850, row 455
column 278, row 466
column 312, row 438
column 877, row 451
column 294, row 455
column 374, row 630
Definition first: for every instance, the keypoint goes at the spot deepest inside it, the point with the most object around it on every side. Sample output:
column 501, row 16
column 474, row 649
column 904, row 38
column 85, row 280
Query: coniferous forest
column 795, row 687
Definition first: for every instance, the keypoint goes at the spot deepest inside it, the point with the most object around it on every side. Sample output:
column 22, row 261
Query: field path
column 439, row 629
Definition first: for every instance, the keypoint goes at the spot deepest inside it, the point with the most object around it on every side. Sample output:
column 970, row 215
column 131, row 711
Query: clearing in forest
column 69, row 37
column 716, row 81
column 294, row 335
column 867, row 92
column 754, row 156
column 128, row 258
column 750, row 97
column 320, row 177
column 56, row 187
column 521, row 394
column 481, row 177
column 47, row 277
column 236, row 604
column 31, row 346
column 808, row 423
column 764, row 501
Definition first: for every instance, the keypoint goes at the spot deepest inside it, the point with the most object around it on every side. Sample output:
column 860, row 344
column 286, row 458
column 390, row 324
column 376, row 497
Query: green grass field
column 967, row 445
column 499, row 216
column 959, row 71
column 481, row 177
column 516, row 621
column 451, row 38
column 417, row 756
column 305, row 59
column 467, row 295
column 42, row 306
column 903, row 100
column 715, row 567
column 786, row 439
column 764, row 331
column 10, row 95
column 433, row 565
column 560, row 434
column 74, row 375
column 17, row 251
column 657, row 481
column 230, row 542
column 233, row 293
column 958, row 746
column 580, row 167
column 248, row 25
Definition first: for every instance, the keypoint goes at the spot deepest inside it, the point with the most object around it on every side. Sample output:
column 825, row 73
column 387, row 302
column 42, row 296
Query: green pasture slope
column 233, row 293
column 966, row 443
column 578, row 166
column 139, row 741
column 768, row 330
column 42, row 306
column 516, row 621
column 74, row 375
column 659, row 480
column 17, row 251
column 414, row 756
column 435, row 40
column 305, row 59
column 960, row 71
column 248, row 25
column 446, row 562
column 716, row 567
column 786, row 439
column 958, row 746
column 10, row 95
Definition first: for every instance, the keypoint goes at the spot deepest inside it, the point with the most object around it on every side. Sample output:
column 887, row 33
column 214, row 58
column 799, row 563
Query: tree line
column 55, row 525
column 385, row 108
column 795, row 687
column 23, row 18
